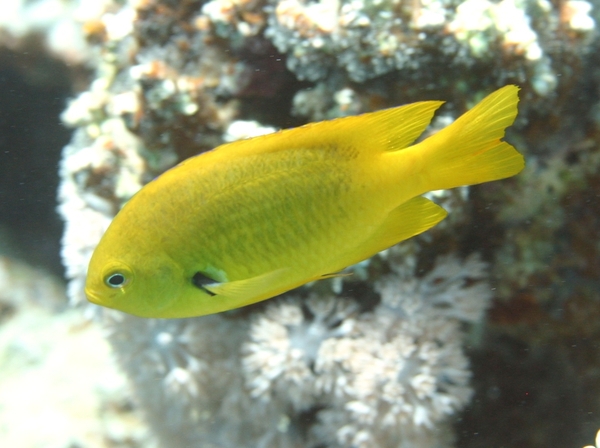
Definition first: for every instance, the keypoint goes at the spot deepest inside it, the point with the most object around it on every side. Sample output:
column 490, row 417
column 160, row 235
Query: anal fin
column 405, row 221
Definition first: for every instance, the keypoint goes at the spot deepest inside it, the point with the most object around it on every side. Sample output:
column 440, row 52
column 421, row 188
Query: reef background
column 140, row 85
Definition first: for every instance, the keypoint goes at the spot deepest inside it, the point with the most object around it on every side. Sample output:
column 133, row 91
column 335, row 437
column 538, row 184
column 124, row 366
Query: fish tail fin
column 470, row 150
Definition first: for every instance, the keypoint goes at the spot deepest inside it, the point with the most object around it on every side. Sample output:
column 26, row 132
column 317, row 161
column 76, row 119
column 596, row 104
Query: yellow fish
column 258, row 217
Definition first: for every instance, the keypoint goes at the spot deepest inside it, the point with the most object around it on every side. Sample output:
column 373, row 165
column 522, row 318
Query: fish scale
column 278, row 204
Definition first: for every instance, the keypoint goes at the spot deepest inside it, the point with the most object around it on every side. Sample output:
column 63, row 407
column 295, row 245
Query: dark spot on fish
column 350, row 152
column 200, row 280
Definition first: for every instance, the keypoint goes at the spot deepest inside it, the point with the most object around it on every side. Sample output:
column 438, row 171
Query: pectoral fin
column 250, row 290
column 332, row 275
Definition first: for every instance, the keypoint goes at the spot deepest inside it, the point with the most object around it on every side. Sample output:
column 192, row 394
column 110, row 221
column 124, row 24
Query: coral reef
column 367, row 39
column 306, row 371
column 58, row 23
column 57, row 372
column 375, row 359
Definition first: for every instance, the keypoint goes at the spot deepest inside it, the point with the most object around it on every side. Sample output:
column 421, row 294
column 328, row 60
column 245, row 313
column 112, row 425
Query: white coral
column 597, row 442
column 284, row 345
column 397, row 373
column 400, row 375
column 452, row 289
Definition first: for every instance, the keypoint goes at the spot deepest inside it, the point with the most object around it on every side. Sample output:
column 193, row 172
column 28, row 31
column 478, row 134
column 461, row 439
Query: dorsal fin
column 385, row 130
column 388, row 129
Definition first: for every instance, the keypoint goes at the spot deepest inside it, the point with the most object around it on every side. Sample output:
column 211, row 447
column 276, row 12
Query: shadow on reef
column 34, row 92
column 535, row 373
column 523, row 398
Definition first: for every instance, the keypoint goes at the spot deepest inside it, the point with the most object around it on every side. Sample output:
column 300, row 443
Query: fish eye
column 116, row 280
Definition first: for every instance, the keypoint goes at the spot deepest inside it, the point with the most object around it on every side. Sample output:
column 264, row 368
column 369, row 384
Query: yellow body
column 258, row 217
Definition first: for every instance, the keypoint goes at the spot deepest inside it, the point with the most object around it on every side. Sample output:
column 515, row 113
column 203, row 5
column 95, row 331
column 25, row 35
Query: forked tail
column 470, row 150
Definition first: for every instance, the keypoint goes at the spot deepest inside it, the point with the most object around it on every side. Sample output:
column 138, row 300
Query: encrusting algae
column 255, row 218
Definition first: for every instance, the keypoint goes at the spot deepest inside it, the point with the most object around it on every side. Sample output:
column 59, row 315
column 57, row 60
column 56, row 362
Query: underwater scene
column 413, row 262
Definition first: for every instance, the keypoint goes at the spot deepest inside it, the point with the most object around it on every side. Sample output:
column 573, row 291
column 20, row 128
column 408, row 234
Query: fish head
column 133, row 278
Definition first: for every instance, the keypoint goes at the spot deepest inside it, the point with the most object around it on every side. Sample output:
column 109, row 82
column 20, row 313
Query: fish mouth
column 92, row 297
